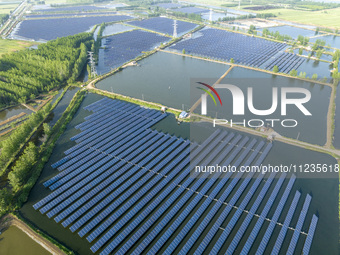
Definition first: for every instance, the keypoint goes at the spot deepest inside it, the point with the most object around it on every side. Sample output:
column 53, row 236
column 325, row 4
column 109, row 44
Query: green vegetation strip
column 29, row 165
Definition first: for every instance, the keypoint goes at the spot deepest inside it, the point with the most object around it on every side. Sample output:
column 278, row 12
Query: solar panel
column 217, row 206
column 232, row 202
column 110, row 198
column 156, row 202
column 286, row 223
column 263, row 215
column 190, row 207
column 276, row 216
column 286, row 62
column 311, row 231
column 224, row 45
column 248, row 218
column 183, row 201
column 299, row 225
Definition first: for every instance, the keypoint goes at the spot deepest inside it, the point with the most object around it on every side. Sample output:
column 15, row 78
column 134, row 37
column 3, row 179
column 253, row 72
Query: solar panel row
column 246, row 221
column 311, row 231
column 152, row 206
column 263, row 215
column 299, row 225
column 185, row 198
column 202, row 208
column 121, row 189
column 286, row 223
column 192, row 204
column 286, row 62
column 275, row 217
column 204, row 222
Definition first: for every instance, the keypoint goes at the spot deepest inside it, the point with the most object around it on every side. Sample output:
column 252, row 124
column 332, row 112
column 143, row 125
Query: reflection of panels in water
column 123, row 182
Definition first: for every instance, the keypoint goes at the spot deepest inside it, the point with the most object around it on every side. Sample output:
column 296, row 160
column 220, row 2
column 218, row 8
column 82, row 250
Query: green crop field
column 326, row 18
column 7, row 8
column 7, row 46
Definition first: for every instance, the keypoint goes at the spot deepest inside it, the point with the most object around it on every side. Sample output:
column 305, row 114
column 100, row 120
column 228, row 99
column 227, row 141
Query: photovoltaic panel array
column 164, row 25
column 82, row 8
column 55, row 15
column 286, row 62
column 190, row 10
column 223, row 45
column 123, row 47
column 49, row 29
column 128, row 188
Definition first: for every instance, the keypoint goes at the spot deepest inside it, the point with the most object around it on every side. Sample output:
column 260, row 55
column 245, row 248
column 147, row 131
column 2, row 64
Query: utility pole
column 175, row 29
column 92, row 64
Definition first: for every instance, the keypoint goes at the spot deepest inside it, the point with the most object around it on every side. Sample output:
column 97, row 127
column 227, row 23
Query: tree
column 315, row 76
column 183, row 51
column 293, row 73
column 55, row 62
column 5, row 199
column 302, row 74
column 251, row 30
column 300, row 51
column 275, row 69
column 336, row 55
column 318, row 54
column 232, row 60
column 47, row 129
column 21, row 170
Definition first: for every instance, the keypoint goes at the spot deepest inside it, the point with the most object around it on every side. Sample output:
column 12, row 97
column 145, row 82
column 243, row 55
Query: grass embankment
column 8, row 46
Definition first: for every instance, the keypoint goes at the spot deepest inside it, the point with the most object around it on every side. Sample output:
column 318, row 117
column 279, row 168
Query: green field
column 7, row 8
column 325, row 18
column 7, row 46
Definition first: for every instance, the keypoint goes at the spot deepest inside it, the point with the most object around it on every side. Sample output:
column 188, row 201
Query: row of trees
column 192, row 16
column 336, row 57
column 27, row 73
column 295, row 73
column 3, row 18
column 28, row 166
column 276, row 35
column 23, row 166
column 12, row 144
column 303, row 40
